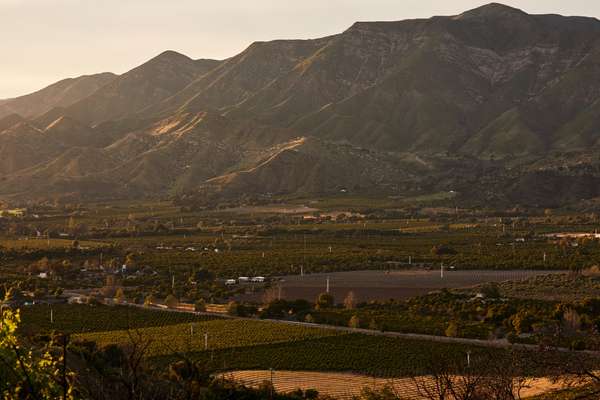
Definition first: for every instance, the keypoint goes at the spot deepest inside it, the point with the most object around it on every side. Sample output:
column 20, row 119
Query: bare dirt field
column 382, row 285
column 346, row 386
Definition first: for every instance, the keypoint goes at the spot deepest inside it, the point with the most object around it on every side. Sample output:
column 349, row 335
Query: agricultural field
column 376, row 356
column 47, row 244
column 79, row 318
column 556, row 287
column 349, row 386
column 384, row 285
column 235, row 344
column 585, row 392
column 222, row 334
column 390, row 262
column 297, row 356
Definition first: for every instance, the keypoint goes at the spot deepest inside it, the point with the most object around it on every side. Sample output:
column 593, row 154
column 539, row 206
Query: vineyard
column 221, row 334
column 357, row 353
column 76, row 318
column 237, row 344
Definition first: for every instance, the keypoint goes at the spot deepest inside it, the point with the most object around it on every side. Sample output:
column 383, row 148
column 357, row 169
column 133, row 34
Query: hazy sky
column 46, row 40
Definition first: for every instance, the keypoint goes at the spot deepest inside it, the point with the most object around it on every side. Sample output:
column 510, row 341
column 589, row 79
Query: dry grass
column 347, row 385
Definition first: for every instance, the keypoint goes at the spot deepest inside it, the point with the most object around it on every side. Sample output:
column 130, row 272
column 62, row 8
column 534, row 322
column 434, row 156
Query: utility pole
column 442, row 270
column 468, row 358
column 327, row 285
column 409, row 260
column 51, row 316
column 304, row 251
column 206, row 341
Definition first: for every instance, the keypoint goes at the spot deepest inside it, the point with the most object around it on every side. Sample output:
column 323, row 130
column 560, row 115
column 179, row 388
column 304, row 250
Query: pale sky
column 46, row 40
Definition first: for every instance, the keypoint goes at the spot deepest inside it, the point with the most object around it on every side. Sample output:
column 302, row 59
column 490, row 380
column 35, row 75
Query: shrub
column 171, row 301
column 354, row 322
column 452, row 329
column 325, row 300
column 200, row 305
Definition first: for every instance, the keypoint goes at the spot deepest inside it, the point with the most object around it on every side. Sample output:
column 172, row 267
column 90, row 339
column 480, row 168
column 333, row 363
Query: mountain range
column 496, row 105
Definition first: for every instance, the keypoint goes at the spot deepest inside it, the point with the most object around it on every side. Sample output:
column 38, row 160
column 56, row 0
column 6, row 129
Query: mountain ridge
column 59, row 94
column 483, row 95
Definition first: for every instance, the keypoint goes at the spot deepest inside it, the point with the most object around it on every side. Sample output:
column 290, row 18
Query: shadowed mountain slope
column 60, row 94
column 148, row 84
column 474, row 103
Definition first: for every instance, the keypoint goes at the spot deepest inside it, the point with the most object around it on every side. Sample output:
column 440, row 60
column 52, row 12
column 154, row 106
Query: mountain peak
column 170, row 55
column 492, row 10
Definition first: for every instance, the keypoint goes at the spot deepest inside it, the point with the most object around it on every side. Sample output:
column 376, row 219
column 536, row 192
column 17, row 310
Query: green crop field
column 47, row 244
column 222, row 334
column 75, row 318
column 358, row 353
column 236, row 343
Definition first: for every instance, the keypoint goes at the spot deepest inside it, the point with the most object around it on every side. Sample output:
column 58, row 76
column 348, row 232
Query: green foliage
column 200, row 305
column 324, row 301
column 385, row 393
column 240, row 310
column 522, row 322
column 149, row 300
column 284, row 308
column 120, row 296
column 453, row 329
column 233, row 308
column 441, row 250
column 27, row 373
column 354, row 322
column 171, row 301
column 491, row 290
